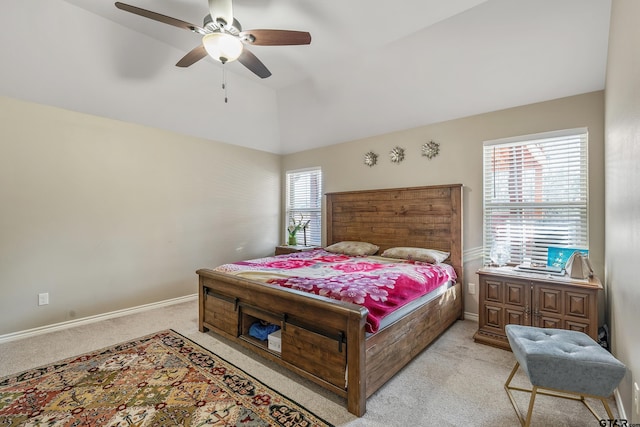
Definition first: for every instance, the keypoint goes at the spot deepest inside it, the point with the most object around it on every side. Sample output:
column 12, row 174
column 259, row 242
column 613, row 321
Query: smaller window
column 304, row 201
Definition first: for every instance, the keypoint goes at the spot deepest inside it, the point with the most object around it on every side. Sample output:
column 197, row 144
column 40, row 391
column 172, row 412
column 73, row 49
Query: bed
column 326, row 340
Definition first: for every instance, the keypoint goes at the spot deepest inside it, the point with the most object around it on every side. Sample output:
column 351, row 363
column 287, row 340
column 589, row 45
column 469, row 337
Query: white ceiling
column 372, row 67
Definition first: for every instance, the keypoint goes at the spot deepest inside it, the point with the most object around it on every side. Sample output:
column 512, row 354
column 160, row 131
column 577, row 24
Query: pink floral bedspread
column 379, row 284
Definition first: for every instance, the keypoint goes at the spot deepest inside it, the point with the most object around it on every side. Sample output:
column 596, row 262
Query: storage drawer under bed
column 221, row 312
column 302, row 346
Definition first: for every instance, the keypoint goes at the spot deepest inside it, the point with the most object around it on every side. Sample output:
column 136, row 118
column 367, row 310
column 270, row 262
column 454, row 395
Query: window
column 304, row 201
column 535, row 194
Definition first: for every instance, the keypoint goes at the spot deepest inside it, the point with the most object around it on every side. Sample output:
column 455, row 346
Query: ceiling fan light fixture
column 223, row 38
column 222, row 47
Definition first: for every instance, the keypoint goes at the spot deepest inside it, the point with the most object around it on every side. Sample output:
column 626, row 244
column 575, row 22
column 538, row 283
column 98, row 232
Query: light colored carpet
column 454, row 382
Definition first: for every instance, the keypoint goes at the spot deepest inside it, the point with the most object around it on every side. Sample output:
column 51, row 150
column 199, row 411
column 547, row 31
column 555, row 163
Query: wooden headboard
column 424, row 217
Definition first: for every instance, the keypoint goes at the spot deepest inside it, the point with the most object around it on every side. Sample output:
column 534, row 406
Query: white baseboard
column 91, row 319
column 471, row 316
column 621, row 412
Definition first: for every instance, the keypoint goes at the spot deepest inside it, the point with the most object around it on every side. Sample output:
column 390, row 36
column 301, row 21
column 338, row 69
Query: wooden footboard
column 322, row 340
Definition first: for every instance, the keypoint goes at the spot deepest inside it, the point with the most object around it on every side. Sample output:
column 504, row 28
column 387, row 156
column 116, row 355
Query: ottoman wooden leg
column 508, row 388
column 606, row 407
column 534, row 390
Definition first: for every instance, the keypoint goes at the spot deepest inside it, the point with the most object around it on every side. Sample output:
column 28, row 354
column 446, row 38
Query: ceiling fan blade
column 252, row 62
column 159, row 17
column 195, row 55
column 275, row 37
column 221, row 9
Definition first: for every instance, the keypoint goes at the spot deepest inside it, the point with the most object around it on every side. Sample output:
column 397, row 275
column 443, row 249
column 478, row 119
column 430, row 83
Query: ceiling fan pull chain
column 224, row 82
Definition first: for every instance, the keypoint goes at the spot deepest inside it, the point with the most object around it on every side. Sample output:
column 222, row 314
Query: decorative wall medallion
column 370, row 159
column 430, row 149
column 397, row 155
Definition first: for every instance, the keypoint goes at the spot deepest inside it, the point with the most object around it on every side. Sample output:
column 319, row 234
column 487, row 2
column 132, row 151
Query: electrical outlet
column 472, row 288
column 43, row 299
column 636, row 399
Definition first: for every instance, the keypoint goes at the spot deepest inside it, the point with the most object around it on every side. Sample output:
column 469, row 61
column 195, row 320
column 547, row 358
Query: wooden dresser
column 507, row 297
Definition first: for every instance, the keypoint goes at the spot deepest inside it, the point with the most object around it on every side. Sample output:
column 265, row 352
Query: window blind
column 304, row 201
column 535, row 194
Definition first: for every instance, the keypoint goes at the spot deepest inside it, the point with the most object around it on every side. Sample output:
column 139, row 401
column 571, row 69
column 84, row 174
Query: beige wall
column 622, row 175
column 107, row 215
column 460, row 161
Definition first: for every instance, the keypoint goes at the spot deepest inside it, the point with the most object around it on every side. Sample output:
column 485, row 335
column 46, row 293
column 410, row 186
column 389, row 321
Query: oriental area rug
column 163, row 379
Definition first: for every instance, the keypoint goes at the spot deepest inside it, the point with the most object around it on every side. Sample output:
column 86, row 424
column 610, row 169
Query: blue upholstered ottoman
column 562, row 361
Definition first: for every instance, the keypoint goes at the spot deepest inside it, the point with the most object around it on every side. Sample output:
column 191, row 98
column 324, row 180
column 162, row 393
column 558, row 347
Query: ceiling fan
column 223, row 38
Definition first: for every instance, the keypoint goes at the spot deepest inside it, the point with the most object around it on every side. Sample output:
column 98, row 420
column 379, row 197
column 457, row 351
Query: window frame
column 541, row 218
column 314, row 231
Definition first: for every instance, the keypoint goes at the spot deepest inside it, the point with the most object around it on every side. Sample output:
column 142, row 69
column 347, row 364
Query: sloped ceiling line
column 371, row 68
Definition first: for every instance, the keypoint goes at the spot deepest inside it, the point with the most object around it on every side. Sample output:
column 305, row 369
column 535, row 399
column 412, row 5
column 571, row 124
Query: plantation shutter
column 535, row 194
column 304, row 201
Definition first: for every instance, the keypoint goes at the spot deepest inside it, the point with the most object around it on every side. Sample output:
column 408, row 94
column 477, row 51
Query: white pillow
column 416, row 254
column 352, row 248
